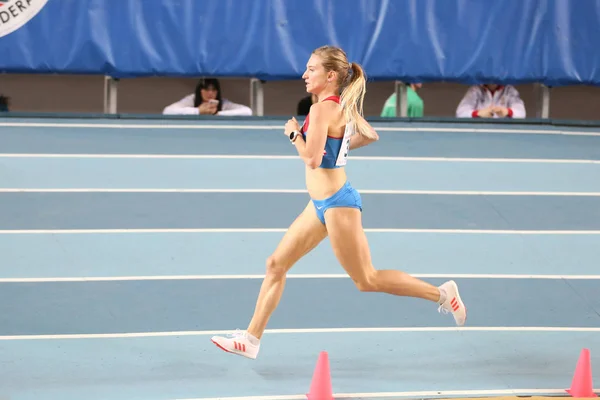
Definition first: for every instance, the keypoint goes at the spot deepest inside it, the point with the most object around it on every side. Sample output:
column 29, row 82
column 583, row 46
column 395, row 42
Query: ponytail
column 353, row 84
column 352, row 98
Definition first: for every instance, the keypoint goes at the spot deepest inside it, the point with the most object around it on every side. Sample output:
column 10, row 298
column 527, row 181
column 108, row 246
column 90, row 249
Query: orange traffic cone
column 320, row 387
column 582, row 385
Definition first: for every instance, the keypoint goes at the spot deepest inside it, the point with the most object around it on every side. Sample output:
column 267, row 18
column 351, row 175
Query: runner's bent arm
column 311, row 151
column 359, row 140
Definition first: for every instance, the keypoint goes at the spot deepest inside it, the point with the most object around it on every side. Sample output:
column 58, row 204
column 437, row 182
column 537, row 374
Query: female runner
column 333, row 127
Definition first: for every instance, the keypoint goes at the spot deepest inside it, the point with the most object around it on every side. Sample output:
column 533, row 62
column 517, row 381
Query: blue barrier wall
column 467, row 41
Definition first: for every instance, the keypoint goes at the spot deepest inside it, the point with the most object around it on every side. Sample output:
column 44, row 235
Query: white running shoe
column 237, row 343
column 453, row 303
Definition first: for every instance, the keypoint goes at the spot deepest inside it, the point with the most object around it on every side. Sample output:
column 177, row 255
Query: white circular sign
column 16, row 13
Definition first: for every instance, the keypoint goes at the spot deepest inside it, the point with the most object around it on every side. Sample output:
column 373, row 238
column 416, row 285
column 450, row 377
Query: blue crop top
column 335, row 154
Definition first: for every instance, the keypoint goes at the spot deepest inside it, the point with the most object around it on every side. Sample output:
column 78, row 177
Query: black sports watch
column 294, row 135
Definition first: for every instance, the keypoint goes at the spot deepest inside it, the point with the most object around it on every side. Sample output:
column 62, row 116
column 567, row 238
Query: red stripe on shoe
column 454, row 304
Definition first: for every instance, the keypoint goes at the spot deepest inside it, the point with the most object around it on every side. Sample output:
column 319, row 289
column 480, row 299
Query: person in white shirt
column 207, row 100
column 491, row 101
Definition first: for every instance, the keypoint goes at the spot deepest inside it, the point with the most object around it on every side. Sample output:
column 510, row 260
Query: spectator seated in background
column 4, row 103
column 414, row 103
column 491, row 101
column 207, row 100
column 304, row 104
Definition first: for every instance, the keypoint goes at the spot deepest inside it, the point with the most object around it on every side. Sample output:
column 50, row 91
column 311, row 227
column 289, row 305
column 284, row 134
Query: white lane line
column 363, row 191
column 241, row 126
column 281, row 230
column 412, row 395
column 289, row 276
column 294, row 157
column 122, row 335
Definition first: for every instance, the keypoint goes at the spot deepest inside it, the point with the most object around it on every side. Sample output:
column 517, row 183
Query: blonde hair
column 352, row 81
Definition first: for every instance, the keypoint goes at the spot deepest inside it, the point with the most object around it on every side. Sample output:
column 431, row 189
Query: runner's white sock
column 252, row 339
column 443, row 296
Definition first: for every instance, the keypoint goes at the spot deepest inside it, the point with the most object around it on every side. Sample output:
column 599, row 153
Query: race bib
column 342, row 157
